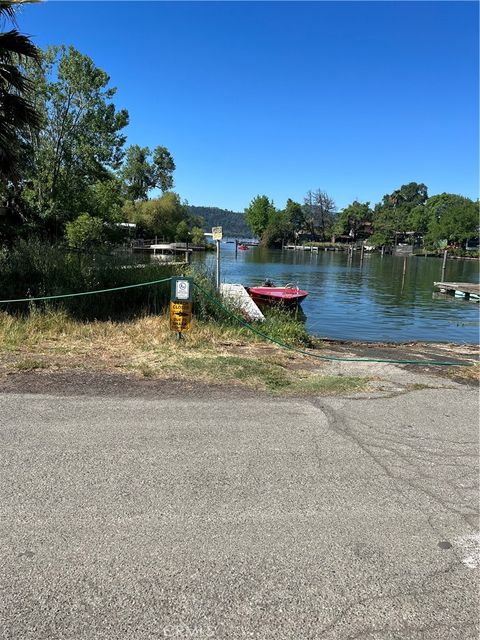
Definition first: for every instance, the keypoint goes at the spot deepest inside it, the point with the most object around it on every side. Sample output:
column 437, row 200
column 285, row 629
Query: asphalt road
column 249, row 518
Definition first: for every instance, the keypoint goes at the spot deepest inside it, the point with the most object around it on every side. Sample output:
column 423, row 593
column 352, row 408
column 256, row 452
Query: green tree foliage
column 452, row 218
column 105, row 199
column 319, row 211
column 160, row 216
column 351, row 219
column 379, row 239
column 277, row 231
column 86, row 232
column 144, row 170
column 295, row 217
column 419, row 219
column 163, row 168
column 137, row 173
column 182, row 232
column 259, row 213
column 81, row 138
column 197, row 236
column 284, row 225
column 18, row 116
column 393, row 214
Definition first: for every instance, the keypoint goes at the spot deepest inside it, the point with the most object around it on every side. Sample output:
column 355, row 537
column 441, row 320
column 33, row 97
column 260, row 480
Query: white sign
column 217, row 233
column 182, row 290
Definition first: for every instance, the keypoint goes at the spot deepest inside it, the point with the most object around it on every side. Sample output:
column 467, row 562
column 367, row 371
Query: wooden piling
column 445, row 254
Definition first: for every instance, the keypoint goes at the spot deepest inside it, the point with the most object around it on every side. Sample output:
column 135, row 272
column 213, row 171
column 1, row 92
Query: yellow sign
column 217, row 233
column 180, row 316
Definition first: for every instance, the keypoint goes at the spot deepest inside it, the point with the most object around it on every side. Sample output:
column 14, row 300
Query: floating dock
column 237, row 295
column 467, row 290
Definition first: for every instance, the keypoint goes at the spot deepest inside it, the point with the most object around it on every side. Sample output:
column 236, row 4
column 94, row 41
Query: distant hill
column 233, row 222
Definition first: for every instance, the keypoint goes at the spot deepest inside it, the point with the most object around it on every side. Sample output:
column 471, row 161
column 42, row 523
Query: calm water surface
column 373, row 300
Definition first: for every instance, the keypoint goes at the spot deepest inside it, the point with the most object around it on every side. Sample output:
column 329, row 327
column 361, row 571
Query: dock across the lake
column 460, row 289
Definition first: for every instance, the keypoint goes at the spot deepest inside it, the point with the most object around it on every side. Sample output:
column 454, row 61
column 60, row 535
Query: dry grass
column 211, row 353
column 469, row 374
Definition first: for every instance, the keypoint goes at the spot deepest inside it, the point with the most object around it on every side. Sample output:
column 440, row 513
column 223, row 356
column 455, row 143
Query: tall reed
column 37, row 269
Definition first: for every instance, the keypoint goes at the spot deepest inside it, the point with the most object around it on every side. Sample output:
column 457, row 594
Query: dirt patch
column 466, row 355
column 100, row 383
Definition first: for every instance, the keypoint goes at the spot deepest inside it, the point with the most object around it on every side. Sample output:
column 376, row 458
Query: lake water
column 373, row 300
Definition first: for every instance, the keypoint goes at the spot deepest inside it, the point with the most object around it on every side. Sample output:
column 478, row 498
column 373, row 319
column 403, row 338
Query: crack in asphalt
column 402, row 594
column 342, row 425
column 409, row 629
column 333, row 418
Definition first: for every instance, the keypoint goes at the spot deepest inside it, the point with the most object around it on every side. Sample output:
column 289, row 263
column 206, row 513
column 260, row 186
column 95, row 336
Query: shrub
column 85, row 232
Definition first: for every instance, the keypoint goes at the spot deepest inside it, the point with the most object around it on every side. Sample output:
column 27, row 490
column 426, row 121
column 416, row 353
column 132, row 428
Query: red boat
column 243, row 247
column 287, row 296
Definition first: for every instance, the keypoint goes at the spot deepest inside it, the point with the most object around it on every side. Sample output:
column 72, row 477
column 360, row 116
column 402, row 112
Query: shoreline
column 388, row 344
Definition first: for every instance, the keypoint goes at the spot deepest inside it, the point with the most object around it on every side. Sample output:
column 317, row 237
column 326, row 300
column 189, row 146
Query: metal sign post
column 217, row 234
column 217, row 278
column 181, row 305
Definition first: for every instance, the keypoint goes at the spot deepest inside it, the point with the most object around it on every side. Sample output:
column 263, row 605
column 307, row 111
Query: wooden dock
column 300, row 247
column 465, row 290
column 166, row 247
column 315, row 249
column 237, row 295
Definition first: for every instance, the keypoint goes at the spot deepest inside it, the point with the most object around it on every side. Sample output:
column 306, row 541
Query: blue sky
column 276, row 98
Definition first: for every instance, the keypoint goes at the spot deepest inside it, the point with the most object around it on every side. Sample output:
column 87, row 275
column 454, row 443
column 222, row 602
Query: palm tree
column 18, row 118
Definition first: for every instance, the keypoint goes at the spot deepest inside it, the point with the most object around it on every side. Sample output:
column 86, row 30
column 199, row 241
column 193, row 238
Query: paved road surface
column 256, row 518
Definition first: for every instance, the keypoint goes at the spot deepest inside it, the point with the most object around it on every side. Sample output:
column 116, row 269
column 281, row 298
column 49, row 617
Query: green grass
column 282, row 325
column 30, row 364
column 266, row 374
column 228, row 368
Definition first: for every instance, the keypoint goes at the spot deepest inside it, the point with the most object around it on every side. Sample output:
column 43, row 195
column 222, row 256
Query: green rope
column 87, row 293
column 315, row 355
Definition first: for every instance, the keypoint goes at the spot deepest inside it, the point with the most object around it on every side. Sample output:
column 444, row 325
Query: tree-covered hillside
column 233, row 223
